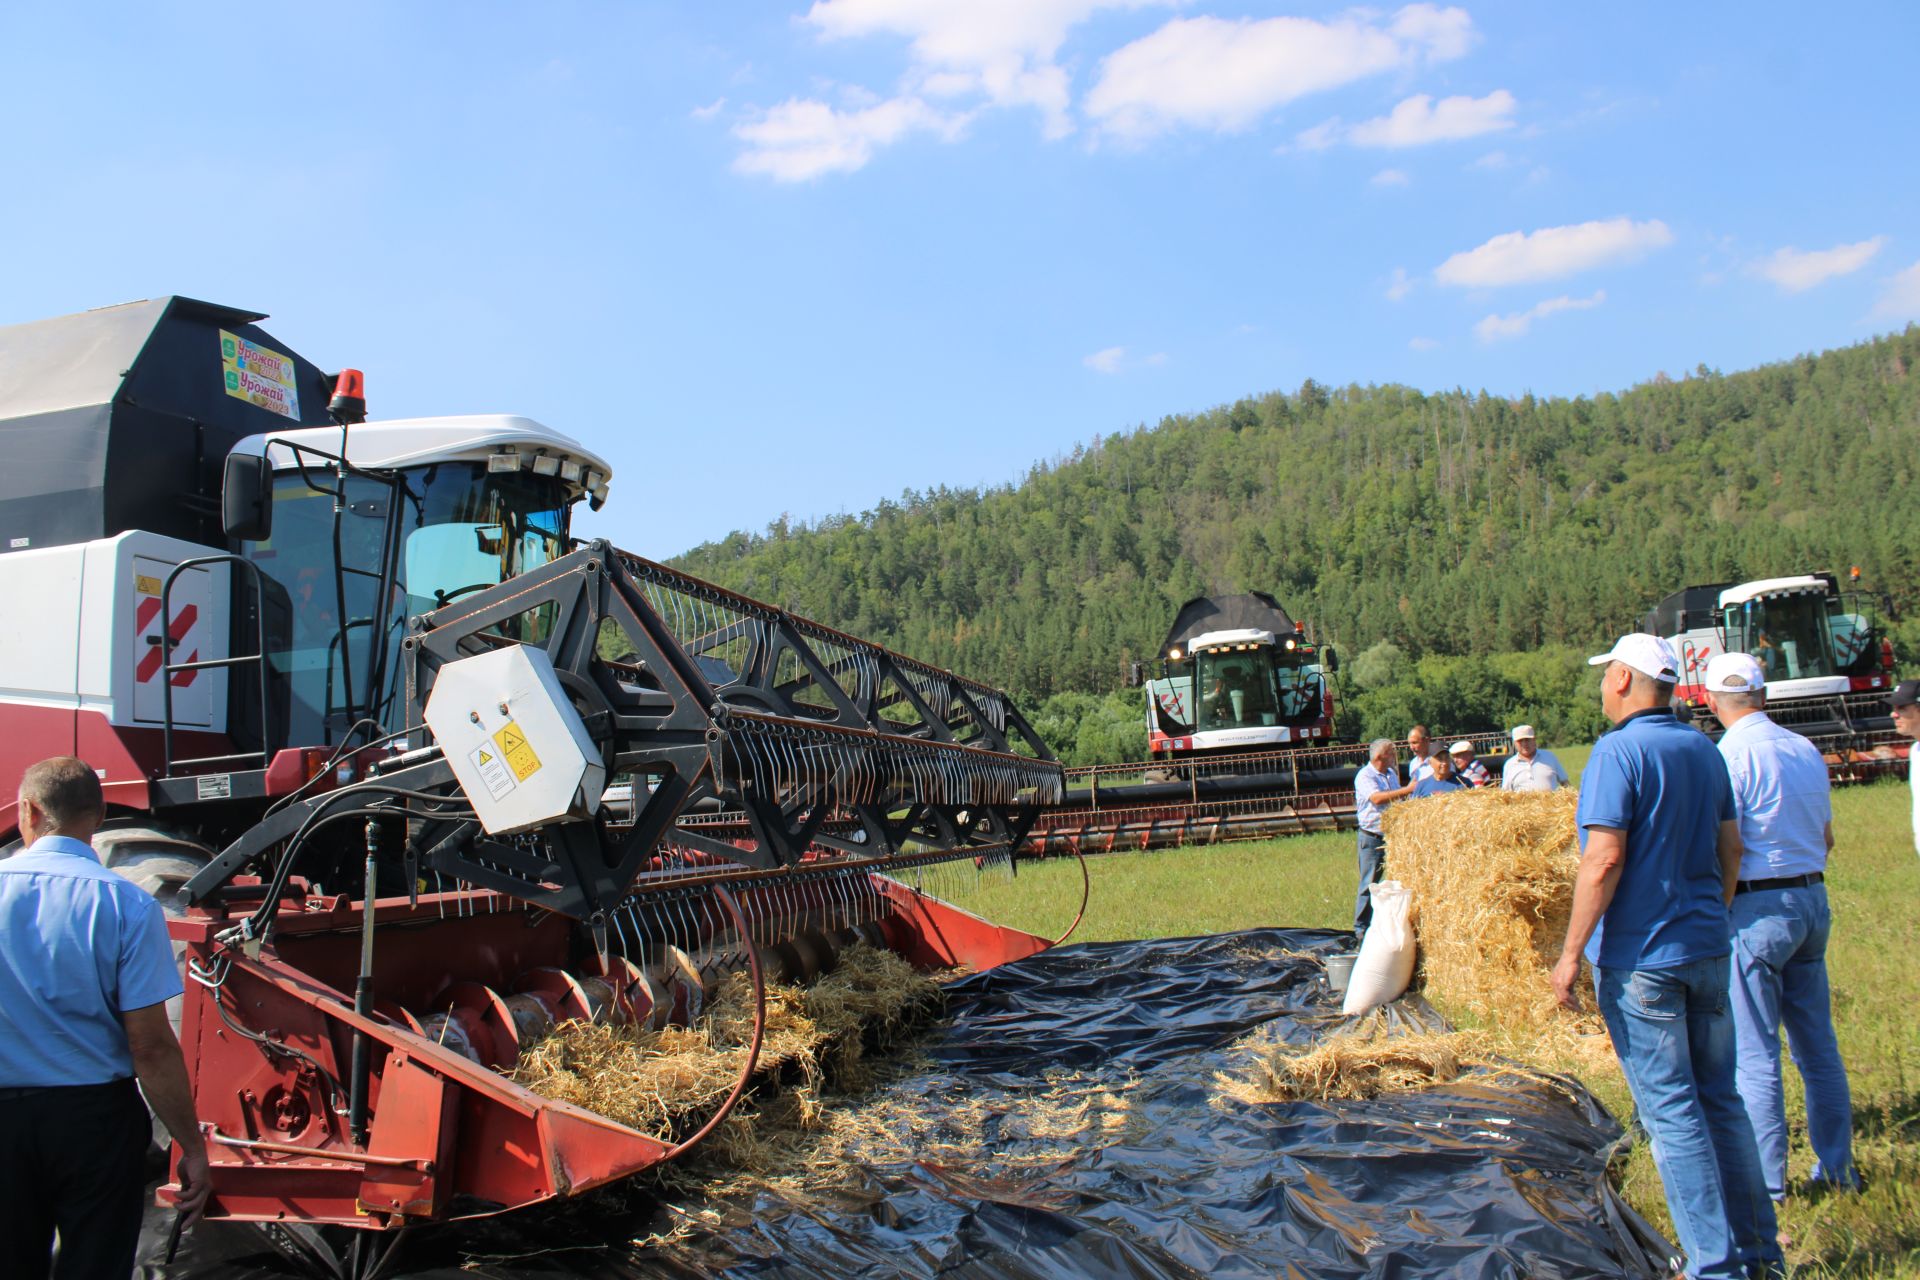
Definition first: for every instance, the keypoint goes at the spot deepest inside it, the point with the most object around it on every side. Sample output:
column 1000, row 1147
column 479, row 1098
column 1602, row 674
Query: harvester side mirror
column 1330, row 658
column 246, row 497
column 1136, row 674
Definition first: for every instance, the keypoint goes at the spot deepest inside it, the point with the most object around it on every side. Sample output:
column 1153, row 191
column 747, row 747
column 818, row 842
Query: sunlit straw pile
column 1363, row 1061
column 1491, row 874
column 657, row 1081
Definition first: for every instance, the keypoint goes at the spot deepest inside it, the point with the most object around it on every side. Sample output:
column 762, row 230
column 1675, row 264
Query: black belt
column 1783, row 882
column 13, row 1093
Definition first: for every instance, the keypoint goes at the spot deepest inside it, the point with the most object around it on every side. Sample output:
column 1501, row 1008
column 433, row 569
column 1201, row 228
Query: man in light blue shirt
column 85, row 974
column 1780, row 927
column 1420, row 753
column 1377, row 784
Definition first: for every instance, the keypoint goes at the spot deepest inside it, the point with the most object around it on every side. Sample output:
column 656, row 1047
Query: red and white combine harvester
column 1241, row 735
column 418, row 774
column 1829, row 668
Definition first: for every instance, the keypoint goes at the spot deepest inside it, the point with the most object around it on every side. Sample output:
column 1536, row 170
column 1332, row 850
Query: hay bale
column 1492, row 876
column 1364, row 1061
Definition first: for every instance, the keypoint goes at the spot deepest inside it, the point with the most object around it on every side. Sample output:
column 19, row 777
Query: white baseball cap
column 1462, row 747
column 1521, row 731
column 1649, row 655
column 1735, row 673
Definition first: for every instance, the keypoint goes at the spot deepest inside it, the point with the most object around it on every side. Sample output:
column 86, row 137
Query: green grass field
column 1874, row 961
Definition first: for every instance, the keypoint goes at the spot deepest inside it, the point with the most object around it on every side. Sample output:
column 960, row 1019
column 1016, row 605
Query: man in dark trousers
column 85, row 975
column 1660, row 855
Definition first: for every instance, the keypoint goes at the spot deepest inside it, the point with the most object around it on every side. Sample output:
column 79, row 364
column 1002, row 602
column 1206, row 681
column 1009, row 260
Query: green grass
column 1874, row 962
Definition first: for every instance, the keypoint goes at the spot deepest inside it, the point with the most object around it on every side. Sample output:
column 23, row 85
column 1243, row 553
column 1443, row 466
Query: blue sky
column 799, row 257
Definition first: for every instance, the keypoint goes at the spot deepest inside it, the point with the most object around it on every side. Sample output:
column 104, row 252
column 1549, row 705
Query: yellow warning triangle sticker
column 484, row 757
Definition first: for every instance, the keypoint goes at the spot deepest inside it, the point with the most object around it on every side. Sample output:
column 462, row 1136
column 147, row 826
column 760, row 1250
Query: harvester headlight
column 1173, row 654
column 499, row 462
column 546, row 465
column 570, row 472
column 1289, row 644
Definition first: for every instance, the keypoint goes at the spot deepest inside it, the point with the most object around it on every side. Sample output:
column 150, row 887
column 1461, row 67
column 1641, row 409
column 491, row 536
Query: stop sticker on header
column 259, row 375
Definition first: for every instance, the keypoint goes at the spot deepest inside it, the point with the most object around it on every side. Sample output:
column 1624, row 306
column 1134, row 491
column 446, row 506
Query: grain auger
column 615, row 785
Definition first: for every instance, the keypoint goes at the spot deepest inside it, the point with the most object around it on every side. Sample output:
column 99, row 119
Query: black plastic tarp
column 1489, row 1176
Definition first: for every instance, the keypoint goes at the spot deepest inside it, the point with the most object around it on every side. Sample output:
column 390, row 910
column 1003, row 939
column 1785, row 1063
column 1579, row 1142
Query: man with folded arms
column 1660, row 855
column 1780, row 926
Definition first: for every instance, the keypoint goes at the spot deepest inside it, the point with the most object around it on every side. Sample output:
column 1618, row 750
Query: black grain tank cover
column 1688, row 609
column 1254, row 610
column 122, row 418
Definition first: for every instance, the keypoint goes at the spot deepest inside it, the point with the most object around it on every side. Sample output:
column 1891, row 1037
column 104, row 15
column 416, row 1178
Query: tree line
column 1462, row 551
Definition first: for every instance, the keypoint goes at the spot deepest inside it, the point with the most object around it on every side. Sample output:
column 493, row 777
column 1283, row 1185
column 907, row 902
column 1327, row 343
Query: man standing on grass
column 1420, row 749
column 1530, row 768
column 1377, row 784
column 1660, row 856
column 1439, row 780
column 1468, row 770
column 1906, row 718
column 1780, row 927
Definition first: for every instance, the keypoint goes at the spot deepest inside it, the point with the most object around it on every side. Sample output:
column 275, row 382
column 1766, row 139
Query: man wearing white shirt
column 1530, row 768
column 1780, row 924
column 1376, row 785
column 1906, row 718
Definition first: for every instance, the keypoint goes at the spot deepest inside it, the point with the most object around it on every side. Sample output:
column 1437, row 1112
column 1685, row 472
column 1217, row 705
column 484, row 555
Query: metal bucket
column 1340, row 972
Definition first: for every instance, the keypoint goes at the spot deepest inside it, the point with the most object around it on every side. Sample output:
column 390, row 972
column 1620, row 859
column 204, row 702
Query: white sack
column 1385, row 966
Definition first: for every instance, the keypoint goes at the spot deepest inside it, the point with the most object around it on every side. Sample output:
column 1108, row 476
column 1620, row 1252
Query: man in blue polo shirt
column 1660, row 854
column 1780, row 926
column 85, row 974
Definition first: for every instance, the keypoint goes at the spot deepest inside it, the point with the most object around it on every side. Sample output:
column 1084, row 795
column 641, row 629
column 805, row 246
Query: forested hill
column 1448, row 523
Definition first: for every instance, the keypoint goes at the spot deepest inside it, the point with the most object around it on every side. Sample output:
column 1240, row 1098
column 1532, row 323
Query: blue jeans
column 1372, row 854
column 1673, row 1033
column 1780, row 976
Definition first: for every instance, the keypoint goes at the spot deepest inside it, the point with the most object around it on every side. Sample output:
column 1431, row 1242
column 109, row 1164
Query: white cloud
column 1156, row 360
column 709, row 111
column 1003, row 50
column 1419, row 120
column 1553, row 252
column 1900, row 300
column 1215, row 73
column 1320, row 137
column 1492, row 160
column 1400, row 286
column 1390, row 178
column 1422, row 344
column 804, row 138
column 1796, row 272
column 1496, row 328
column 1106, row 361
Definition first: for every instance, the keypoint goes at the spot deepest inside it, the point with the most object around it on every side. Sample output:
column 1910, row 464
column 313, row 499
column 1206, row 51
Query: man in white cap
column 1466, row 769
column 1660, row 856
column 1780, row 927
column 1530, row 768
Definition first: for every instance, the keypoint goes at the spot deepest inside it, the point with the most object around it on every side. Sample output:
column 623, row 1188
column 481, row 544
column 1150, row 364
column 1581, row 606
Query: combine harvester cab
column 1829, row 669
column 418, row 775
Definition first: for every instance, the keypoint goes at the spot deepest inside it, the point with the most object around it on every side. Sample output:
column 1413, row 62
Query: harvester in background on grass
column 1829, row 666
column 418, row 775
column 1242, row 735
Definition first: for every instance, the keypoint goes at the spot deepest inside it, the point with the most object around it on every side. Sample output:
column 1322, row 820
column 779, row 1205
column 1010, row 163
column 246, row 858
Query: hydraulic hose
column 759, row 1029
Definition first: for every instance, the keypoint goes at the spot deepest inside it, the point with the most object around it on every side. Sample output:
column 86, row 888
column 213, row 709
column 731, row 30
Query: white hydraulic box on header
column 517, row 746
